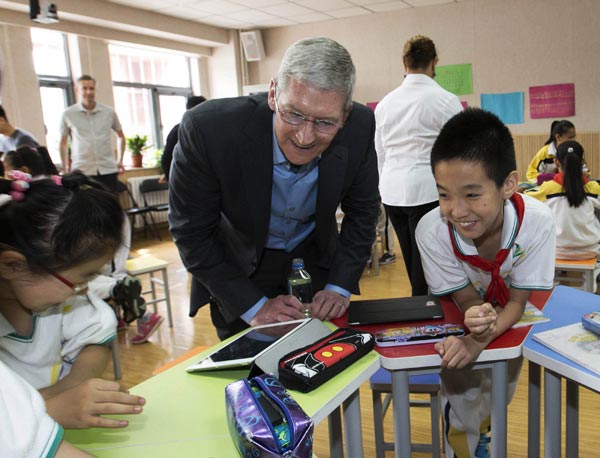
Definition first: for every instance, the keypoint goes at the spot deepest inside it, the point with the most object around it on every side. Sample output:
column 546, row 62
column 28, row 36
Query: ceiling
column 253, row 14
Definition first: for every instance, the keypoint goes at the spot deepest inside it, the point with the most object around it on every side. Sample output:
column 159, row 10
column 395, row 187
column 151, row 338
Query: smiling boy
column 488, row 247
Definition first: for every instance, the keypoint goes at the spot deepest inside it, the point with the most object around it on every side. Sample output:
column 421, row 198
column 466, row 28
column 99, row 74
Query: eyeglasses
column 77, row 289
column 295, row 119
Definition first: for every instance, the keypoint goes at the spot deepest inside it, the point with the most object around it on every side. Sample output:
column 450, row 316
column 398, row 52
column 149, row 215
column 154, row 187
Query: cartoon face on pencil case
column 591, row 321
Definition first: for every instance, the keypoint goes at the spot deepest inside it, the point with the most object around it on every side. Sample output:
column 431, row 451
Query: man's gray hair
column 320, row 63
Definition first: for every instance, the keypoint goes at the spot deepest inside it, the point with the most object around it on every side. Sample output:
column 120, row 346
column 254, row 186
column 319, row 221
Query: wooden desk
column 564, row 307
column 185, row 414
column 404, row 361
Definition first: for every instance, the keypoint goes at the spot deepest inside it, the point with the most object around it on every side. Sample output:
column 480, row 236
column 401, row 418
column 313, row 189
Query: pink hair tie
column 20, row 184
column 57, row 180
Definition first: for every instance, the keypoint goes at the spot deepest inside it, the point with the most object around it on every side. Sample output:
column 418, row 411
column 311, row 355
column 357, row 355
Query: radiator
column 153, row 198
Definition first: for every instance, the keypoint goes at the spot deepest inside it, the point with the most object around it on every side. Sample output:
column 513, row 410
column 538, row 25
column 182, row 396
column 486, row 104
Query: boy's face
column 470, row 199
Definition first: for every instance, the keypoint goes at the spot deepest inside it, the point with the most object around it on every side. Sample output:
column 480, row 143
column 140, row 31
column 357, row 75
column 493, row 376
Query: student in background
column 488, row 247
column 543, row 161
column 573, row 200
column 12, row 138
column 408, row 121
column 54, row 331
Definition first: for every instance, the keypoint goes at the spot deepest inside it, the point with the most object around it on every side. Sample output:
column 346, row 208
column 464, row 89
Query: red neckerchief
column 560, row 179
column 497, row 292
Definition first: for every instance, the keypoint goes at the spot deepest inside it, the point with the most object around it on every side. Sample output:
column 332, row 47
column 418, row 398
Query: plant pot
column 136, row 160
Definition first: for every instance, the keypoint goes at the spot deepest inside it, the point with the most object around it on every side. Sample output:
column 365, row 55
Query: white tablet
column 246, row 347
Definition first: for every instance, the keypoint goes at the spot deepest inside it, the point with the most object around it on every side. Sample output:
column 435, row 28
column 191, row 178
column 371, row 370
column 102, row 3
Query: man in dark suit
column 256, row 181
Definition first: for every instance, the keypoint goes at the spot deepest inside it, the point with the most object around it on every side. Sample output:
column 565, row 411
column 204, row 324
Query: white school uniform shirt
column 91, row 138
column 408, row 121
column 529, row 265
column 58, row 335
column 26, row 430
column 577, row 228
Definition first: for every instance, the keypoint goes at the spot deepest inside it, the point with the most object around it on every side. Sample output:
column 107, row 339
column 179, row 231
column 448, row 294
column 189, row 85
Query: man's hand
column 481, row 321
column 162, row 179
column 327, row 305
column 121, row 167
column 82, row 406
column 457, row 352
column 277, row 309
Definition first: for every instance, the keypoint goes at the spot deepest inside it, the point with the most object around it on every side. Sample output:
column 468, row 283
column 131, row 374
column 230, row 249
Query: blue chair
column 381, row 383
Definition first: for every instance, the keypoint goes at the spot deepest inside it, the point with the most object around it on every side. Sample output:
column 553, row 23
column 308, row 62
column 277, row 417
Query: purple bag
column 265, row 421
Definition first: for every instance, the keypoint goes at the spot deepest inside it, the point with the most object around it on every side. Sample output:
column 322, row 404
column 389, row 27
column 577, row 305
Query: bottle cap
column 297, row 263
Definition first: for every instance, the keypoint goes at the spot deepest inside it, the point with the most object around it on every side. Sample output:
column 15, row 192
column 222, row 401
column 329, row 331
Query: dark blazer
column 220, row 197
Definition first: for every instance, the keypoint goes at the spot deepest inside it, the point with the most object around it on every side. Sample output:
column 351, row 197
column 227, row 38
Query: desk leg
column 401, row 405
column 552, row 414
column 533, row 425
column 352, row 426
column 572, row 419
column 335, row 434
column 499, row 384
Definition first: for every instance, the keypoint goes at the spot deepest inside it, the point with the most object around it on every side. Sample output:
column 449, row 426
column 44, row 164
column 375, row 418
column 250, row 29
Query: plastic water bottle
column 300, row 284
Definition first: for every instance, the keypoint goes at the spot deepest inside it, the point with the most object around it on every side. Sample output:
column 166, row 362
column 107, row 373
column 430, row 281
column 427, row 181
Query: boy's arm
column 484, row 322
column 90, row 363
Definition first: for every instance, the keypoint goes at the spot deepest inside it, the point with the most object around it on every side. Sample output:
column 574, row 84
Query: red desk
column 404, row 361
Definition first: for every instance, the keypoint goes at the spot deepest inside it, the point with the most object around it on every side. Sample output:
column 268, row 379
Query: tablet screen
column 247, row 346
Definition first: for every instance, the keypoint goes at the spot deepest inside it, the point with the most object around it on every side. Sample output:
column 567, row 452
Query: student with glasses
column 255, row 182
column 55, row 236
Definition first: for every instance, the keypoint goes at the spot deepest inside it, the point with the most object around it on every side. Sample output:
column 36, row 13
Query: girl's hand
column 82, row 406
column 457, row 352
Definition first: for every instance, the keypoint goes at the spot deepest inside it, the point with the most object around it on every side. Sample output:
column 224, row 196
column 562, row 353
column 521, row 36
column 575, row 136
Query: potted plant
column 136, row 145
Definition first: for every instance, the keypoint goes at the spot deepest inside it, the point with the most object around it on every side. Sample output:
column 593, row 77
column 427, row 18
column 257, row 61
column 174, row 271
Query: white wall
column 20, row 94
column 512, row 44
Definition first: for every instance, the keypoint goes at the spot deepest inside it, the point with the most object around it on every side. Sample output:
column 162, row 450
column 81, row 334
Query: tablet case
column 394, row 310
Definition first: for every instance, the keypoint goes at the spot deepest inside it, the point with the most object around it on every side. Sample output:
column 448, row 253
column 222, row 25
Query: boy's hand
column 481, row 321
column 458, row 352
column 82, row 406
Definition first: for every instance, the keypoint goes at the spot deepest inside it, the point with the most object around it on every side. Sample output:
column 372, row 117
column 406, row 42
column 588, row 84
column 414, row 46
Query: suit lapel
column 257, row 163
column 332, row 170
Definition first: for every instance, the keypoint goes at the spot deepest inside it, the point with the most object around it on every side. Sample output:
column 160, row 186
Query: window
column 50, row 59
column 150, row 89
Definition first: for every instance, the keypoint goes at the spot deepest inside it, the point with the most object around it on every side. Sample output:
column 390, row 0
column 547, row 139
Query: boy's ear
column 12, row 264
column 511, row 184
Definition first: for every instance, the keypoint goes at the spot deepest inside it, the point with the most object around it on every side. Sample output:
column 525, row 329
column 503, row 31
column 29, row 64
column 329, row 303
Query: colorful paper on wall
column 508, row 107
column 552, row 101
column 372, row 105
column 464, row 104
column 457, row 78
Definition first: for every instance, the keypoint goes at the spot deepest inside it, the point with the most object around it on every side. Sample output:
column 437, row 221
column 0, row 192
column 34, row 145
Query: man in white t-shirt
column 89, row 124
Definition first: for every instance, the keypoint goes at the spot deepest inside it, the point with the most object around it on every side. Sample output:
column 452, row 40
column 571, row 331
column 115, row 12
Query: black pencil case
column 307, row 368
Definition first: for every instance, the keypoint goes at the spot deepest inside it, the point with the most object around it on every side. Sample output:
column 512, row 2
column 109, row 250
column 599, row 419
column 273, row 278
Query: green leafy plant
column 137, row 144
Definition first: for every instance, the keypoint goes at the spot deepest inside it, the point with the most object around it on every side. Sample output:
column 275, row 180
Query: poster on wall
column 508, row 106
column 552, row 101
column 457, row 78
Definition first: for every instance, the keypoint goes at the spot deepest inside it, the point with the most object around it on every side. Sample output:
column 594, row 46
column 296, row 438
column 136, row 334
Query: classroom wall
column 20, row 94
column 512, row 44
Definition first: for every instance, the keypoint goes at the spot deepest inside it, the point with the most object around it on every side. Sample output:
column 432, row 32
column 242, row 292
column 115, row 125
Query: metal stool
column 381, row 383
column 586, row 269
column 149, row 265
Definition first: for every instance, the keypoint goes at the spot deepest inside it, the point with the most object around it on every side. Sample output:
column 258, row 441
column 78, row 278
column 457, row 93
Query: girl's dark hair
column 57, row 227
column 559, row 128
column 418, row 52
column 569, row 154
column 25, row 157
